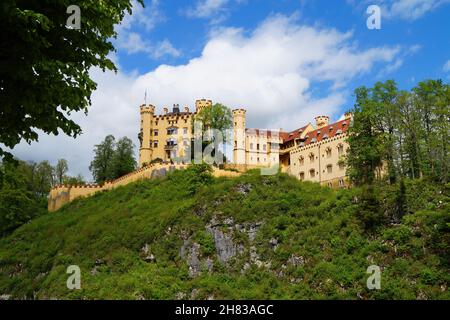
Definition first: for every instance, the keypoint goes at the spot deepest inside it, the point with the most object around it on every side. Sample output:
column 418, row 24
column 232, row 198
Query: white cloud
column 401, row 9
column 147, row 17
column 132, row 42
column 271, row 71
column 446, row 66
column 207, row 8
column 410, row 9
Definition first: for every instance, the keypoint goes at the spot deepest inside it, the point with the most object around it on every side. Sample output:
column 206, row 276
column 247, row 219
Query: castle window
column 301, row 160
column 328, row 151
column 171, row 131
column 251, row 146
column 341, row 165
column 341, row 183
column 302, row 176
column 155, row 132
column 340, row 149
column 235, row 144
column 185, row 130
column 330, row 184
column 312, row 173
column 257, row 146
column 264, row 147
column 155, row 144
column 311, row 157
column 329, row 168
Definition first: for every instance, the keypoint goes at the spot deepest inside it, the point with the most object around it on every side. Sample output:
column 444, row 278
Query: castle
column 310, row 153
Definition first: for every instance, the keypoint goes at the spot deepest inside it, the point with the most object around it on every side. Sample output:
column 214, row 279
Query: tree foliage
column 402, row 134
column 112, row 160
column 44, row 65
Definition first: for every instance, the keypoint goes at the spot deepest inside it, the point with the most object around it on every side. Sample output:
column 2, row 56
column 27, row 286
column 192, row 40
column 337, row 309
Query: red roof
column 329, row 131
column 289, row 136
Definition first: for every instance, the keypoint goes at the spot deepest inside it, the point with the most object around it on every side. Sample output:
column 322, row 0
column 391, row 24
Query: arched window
column 340, row 148
column 328, row 151
column 311, row 157
column 301, row 160
column 302, row 176
column 312, row 173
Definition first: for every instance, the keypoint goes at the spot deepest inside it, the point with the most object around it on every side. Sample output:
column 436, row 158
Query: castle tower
column 203, row 103
column 145, row 135
column 322, row 121
column 239, row 136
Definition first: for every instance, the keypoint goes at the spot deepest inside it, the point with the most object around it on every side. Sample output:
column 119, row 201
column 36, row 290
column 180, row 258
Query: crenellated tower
column 239, row 136
column 146, row 133
column 202, row 103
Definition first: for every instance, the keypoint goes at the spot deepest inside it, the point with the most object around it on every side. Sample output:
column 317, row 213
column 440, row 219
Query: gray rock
column 296, row 260
column 194, row 293
column 5, row 297
column 193, row 260
column 243, row 188
column 225, row 247
column 274, row 243
column 209, row 264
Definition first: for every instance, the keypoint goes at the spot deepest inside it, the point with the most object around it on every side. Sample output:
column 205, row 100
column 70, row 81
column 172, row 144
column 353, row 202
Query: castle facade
column 310, row 153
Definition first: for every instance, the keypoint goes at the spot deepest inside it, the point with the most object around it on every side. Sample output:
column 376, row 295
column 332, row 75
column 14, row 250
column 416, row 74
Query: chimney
column 322, row 121
column 186, row 109
column 165, row 110
column 176, row 108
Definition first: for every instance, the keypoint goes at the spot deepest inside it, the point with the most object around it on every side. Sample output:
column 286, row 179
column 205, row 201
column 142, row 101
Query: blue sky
column 285, row 61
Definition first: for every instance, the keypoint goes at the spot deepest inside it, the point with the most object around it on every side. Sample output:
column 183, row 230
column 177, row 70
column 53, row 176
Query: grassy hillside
column 252, row 237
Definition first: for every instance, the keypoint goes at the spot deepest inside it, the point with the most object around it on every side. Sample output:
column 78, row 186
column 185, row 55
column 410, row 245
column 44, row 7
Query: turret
column 322, row 121
column 239, row 136
column 145, row 135
column 203, row 103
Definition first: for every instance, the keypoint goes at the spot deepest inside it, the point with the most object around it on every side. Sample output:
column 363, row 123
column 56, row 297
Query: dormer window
column 313, row 140
column 339, row 131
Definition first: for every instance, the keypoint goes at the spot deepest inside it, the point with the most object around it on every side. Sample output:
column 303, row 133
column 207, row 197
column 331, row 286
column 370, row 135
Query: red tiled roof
column 289, row 136
column 330, row 131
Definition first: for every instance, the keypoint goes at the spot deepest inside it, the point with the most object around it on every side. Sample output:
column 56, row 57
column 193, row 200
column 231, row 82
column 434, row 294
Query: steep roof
column 327, row 132
column 289, row 136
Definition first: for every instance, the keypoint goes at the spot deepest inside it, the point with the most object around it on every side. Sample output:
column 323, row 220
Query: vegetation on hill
column 253, row 237
column 24, row 187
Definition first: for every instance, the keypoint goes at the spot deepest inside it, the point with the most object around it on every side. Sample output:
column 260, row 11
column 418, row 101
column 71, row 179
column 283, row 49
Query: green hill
column 253, row 237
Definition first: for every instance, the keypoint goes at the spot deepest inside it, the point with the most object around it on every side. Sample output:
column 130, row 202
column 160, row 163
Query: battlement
column 202, row 103
column 239, row 111
column 147, row 108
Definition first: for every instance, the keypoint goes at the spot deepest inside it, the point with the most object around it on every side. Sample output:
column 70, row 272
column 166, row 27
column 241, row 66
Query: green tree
column 215, row 121
column 60, row 170
column 44, row 65
column 74, row 180
column 19, row 203
column 366, row 140
column 44, row 178
column 123, row 161
column 101, row 167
